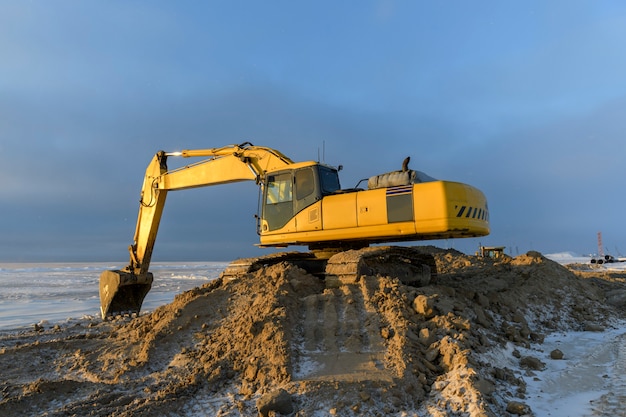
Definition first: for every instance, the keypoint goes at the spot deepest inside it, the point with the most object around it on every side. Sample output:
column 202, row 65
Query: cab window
column 329, row 179
column 279, row 189
column 305, row 183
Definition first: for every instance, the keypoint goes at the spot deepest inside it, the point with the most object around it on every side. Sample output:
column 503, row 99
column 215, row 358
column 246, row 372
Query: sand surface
column 278, row 341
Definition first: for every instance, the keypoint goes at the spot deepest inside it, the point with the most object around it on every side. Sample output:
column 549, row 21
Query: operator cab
column 287, row 192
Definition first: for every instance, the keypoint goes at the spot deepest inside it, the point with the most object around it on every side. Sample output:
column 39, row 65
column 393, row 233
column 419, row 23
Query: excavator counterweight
column 303, row 204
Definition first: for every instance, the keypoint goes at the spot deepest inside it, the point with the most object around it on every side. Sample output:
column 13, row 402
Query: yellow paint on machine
column 371, row 208
column 343, row 209
column 364, row 216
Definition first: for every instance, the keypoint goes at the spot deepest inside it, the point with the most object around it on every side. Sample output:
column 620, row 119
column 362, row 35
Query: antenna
column 323, row 152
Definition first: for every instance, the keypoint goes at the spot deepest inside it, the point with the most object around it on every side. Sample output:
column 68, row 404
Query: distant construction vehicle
column 304, row 204
column 494, row 252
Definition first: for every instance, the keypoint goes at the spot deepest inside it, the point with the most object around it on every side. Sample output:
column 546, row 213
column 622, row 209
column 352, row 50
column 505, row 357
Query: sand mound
column 278, row 342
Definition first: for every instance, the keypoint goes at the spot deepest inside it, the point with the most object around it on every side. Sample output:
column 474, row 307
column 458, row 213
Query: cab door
column 278, row 206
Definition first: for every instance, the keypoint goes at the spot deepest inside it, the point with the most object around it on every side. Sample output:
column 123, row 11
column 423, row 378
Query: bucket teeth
column 122, row 292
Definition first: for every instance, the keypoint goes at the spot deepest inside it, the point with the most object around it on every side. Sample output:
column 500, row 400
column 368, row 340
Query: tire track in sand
column 612, row 403
column 340, row 338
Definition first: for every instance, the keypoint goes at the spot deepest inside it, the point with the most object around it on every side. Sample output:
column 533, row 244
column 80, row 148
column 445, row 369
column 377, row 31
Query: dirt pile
column 280, row 342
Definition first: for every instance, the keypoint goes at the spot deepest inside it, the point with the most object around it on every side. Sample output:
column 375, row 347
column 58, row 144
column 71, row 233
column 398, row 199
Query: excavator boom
column 123, row 291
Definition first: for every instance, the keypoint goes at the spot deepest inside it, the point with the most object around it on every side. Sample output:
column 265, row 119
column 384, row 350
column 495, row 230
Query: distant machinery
column 602, row 258
column 494, row 252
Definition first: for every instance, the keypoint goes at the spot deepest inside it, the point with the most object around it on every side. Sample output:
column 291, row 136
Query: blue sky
column 524, row 100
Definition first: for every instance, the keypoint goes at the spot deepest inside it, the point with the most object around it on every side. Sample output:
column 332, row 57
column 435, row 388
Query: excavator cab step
column 122, row 292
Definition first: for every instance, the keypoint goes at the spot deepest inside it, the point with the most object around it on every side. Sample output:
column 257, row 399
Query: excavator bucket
column 122, row 292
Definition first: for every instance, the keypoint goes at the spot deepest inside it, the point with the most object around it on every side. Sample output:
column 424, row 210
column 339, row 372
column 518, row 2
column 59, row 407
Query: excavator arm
column 123, row 291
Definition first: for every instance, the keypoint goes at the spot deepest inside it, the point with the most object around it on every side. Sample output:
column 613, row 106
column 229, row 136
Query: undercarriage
column 410, row 264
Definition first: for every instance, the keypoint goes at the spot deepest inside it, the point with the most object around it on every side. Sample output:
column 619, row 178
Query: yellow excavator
column 304, row 204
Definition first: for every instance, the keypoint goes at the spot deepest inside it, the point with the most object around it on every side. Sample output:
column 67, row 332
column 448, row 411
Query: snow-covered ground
column 51, row 292
column 590, row 379
column 565, row 258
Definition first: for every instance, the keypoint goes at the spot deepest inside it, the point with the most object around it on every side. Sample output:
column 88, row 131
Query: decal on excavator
column 473, row 212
